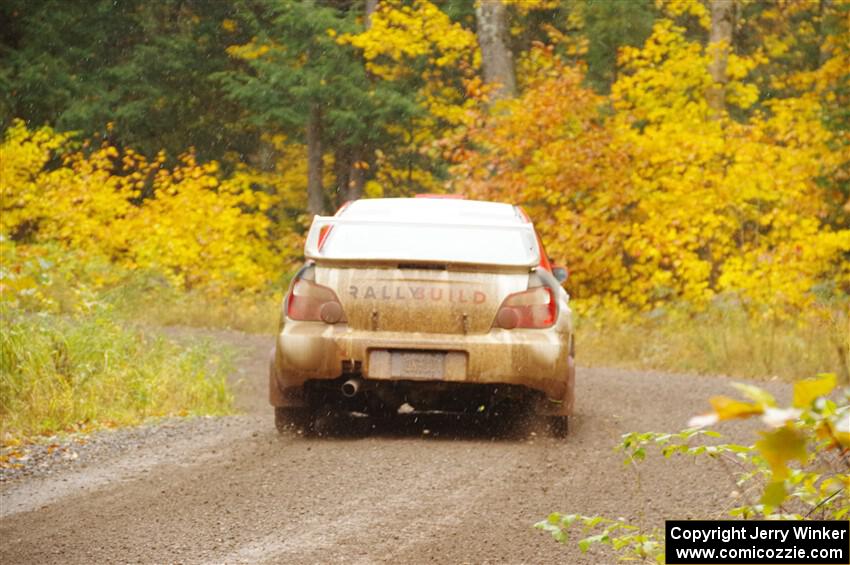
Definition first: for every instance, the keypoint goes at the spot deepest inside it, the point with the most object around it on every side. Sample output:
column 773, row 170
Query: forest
column 687, row 160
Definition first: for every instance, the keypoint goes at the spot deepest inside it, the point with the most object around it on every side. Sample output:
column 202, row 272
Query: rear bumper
column 536, row 359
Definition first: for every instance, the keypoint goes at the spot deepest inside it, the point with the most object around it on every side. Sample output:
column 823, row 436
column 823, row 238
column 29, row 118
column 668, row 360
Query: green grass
column 150, row 300
column 721, row 341
column 251, row 313
column 62, row 373
column 47, row 278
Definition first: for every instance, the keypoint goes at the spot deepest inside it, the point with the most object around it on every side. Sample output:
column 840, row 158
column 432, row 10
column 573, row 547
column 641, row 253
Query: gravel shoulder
column 231, row 490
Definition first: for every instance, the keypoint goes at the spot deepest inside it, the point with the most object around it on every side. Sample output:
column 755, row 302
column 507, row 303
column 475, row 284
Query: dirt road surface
column 234, row 491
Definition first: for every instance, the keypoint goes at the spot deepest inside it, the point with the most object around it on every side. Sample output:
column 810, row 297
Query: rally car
column 424, row 305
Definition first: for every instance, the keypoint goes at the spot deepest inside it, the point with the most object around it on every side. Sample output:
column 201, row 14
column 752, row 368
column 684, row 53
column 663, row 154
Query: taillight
column 311, row 302
column 323, row 235
column 533, row 308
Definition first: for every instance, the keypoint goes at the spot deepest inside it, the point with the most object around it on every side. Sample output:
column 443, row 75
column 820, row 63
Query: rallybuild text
column 757, row 541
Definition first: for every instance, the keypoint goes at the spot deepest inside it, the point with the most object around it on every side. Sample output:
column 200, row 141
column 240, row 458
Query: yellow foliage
column 196, row 228
column 408, row 38
column 527, row 5
column 729, row 206
column 58, row 203
column 249, row 51
column 229, row 25
column 661, row 201
column 286, row 187
column 678, row 8
column 649, row 195
column 779, row 447
column 728, row 408
column 807, row 390
column 188, row 222
column 401, row 33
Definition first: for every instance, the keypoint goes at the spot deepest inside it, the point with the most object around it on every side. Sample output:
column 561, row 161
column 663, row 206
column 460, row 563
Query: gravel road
column 231, row 490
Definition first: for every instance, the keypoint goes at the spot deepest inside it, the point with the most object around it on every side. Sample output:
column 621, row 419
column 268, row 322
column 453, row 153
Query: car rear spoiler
column 322, row 227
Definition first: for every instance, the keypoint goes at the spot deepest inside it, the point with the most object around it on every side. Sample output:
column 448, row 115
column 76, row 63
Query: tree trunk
column 720, row 41
column 315, row 192
column 357, row 172
column 371, row 6
column 496, row 58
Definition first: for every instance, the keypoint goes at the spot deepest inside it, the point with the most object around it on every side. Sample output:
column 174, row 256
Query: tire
column 559, row 426
column 329, row 421
column 325, row 422
column 293, row 418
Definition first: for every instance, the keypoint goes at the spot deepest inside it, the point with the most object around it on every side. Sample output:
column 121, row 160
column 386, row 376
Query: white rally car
column 424, row 305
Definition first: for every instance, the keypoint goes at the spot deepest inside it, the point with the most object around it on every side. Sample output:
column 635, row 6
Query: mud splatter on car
column 419, row 305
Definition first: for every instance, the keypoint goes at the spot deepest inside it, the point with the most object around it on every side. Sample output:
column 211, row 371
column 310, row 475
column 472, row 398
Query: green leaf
column 738, row 448
column 568, row 519
column 584, row 544
column 774, row 494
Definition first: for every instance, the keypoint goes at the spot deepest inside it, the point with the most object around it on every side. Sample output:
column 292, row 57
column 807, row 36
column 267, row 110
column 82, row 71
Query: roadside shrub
column 160, row 304
column 62, row 373
column 798, row 468
column 723, row 339
column 50, row 278
column 191, row 222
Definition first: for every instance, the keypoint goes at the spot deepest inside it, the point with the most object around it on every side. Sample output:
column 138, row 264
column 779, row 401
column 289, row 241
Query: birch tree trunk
column 496, row 59
column 371, row 6
column 720, row 42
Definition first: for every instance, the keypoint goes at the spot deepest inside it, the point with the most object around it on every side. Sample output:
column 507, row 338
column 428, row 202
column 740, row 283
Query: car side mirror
column 560, row 273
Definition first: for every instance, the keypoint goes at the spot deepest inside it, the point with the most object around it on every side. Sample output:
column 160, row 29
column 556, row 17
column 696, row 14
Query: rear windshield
column 451, row 243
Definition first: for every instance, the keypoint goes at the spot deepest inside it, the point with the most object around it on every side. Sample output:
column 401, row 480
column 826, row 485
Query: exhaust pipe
column 350, row 388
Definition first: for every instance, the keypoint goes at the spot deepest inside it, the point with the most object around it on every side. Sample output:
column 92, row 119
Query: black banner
column 762, row 542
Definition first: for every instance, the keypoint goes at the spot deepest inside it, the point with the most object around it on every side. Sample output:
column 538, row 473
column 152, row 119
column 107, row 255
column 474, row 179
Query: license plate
column 417, row 365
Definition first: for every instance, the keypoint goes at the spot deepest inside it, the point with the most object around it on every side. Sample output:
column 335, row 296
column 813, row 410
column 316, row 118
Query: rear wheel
column 559, row 426
column 293, row 418
column 334, row 421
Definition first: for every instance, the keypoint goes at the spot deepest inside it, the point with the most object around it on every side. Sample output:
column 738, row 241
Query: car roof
column 432, row 210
